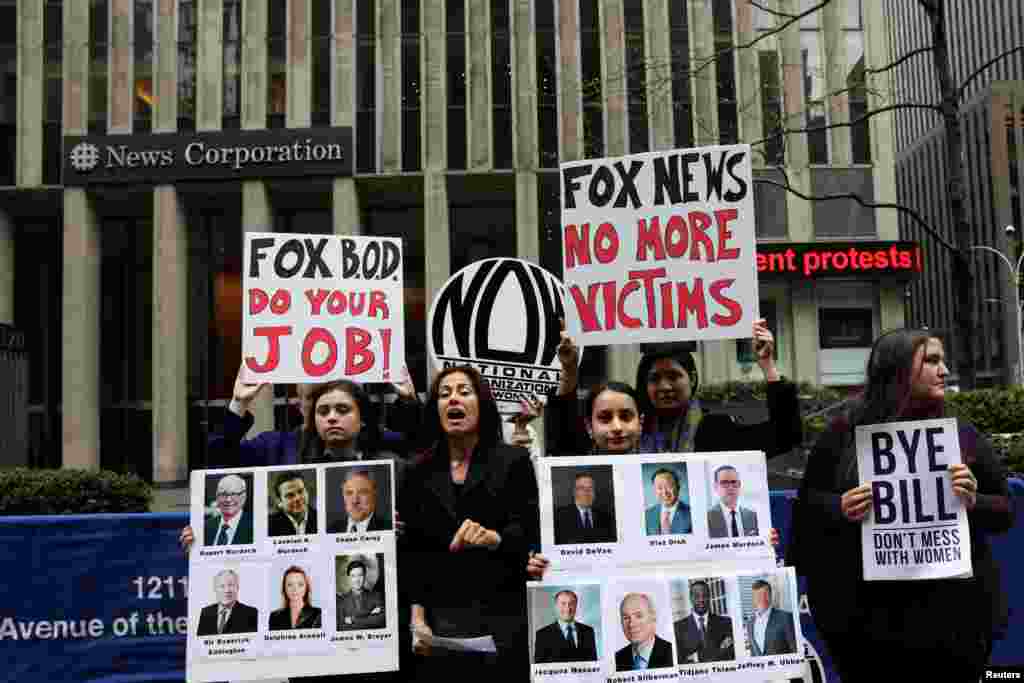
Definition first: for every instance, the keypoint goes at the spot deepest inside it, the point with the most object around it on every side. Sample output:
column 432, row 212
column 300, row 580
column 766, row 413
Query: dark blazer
column 566, row 433
column 379, row 522
column 309, row 617
column 243, row 619
column 717, row 645
column 475, row 591
column 682, row 522
column 362, row 616
column 719, row 528
column 550, row 646
column 779, row 636
column 661, row 656
column 243, row 534
column 280, row 525
column 569, row 526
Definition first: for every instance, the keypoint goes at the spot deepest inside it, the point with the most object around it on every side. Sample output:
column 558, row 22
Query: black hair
column 761, row 584
column 311, row 446
column 724, row 467
column 681, row 356
column 670, row 472
column 285, row 477
column 355, row 564
column 597, row 390
column 490, row 420
column 887, row 389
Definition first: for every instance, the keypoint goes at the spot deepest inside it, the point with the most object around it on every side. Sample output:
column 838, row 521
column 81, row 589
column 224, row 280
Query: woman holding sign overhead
column 942, row 628
column 673, row 421
column 470, row 509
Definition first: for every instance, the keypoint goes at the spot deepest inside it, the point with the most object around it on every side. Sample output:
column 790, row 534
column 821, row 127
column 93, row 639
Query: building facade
column 129, row 295
column 992, row 129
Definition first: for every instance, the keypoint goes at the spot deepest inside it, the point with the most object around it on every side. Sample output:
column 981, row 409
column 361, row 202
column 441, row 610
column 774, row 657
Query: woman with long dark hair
column 296, row 609
column 940, row 628
column 470, row 509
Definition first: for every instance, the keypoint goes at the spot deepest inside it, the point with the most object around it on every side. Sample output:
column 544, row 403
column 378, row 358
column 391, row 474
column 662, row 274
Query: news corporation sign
column 221, row 155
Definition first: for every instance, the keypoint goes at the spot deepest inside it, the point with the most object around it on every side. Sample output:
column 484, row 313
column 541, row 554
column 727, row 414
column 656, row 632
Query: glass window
column 547, row 85
column 411, row 100
column 99, row 25
column 456, row 48
column 277, row 56
column 232, row 92
column 814, row 96
column 636, row 78
column 853, row 16
column 366, row 96
column 860, row 133
column 590, row 72
column 53, row 21
column 681, row 105
column 728, row 123
column 845, row 328
column 143, row 51
column 323, row 28
column 501, row 78
column 186, row 65
column 771, row 103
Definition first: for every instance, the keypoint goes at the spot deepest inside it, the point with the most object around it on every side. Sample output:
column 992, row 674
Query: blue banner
column 101, row 598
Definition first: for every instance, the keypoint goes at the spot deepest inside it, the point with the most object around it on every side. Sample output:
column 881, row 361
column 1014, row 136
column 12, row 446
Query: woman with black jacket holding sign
column 940, row 629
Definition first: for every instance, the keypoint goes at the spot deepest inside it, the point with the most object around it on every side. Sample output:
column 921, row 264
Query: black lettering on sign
column 530, row 346
column 451, row 300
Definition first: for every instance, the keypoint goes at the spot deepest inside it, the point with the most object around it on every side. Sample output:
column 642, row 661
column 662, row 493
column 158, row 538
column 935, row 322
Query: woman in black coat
column 941, row 629
column 297, row 611
column 470, row 511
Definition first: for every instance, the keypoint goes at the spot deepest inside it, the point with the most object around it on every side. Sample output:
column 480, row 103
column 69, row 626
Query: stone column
column 704, row 83
column 210, row 65
column 121, row 77
column 347, row 218
column 798, row 212
column 570, row 106
column 657, row 42
column 80, row 357
column 613, row 77
column 748, row 83
column 840, row 150
column 526, row 143
column 298, row 92
column 805, row 350
column 257, row 213
column 479, row 100
column 881, row 92
column 389, row 65
column 30, row 93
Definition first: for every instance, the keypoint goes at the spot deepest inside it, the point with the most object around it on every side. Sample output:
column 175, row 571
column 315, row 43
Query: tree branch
column 849, row 124
column 785, row 15
column 912, row 53
column 866, row 204
column 980, row 69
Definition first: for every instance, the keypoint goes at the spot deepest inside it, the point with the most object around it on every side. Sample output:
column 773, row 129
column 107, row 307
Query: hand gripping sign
column 660, row 246
column 322, row 307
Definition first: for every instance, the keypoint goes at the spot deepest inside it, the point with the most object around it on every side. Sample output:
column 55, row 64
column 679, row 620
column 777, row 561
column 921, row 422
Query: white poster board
column 249, row 556
column 321, row 307
column 916, row 528
column 660, row 246
column 750, row 622
column 627, row 514
column 501, row 316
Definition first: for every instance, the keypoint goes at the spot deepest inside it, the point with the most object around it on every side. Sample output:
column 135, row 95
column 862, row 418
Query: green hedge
column 993, row 411
column 65, row 492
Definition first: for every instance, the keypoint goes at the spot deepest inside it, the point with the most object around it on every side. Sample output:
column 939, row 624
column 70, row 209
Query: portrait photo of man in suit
column 231, row 524
column 227, row 615
column 585, row 520
column 646, row 650
column 360, row 608
column 565, row 639
column 294, row 515
column 670, row 515
column 703, row 636
column 360, row 494
column 770, row 630
column 728, row 518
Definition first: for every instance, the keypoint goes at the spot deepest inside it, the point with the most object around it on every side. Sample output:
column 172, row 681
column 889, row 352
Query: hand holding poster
column 660, row 246
column 322, row 307
column 292, row 567
column 917, row 528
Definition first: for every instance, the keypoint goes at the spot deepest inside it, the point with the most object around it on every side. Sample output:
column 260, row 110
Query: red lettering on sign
column 606, row 243
column 318, row 335
column 699, row 224
column 258, row 300
column 379, row 305
column 577, row 245
column 723, row 216
column 649, row 239
column 273, row 334
column 280, row 302
column 358, row 356
column 316, row 299
column 626, row 319
column 735, row 310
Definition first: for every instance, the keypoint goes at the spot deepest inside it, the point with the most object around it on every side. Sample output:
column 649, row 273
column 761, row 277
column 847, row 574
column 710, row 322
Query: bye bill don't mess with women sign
column 322, row 307
column 660, row 246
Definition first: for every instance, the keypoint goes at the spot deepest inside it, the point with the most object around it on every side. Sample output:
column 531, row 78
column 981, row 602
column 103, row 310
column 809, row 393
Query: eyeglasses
column 231, row 494
column 729, row 482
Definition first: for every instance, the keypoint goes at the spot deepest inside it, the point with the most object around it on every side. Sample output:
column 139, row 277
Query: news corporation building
column 144, row 137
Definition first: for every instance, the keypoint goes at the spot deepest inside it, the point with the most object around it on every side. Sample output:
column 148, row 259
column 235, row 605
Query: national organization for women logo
column 501, row 316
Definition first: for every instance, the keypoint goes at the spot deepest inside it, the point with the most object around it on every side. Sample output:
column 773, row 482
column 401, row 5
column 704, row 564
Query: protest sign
column 501, row 316
column 660, row 246
column 322, row 307
column 719, row 626
column 277, row 569
column 917, row 528
column 630, row 510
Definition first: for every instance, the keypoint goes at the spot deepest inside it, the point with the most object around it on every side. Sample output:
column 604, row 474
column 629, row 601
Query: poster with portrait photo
column 705, row 620
column 739, row 504
column 359, row 500
column 771, row 619
column 227, row 607
column 638, row 624
column 566, row 631
column 361, row 592
column 227, row 513
column 292, row 502
column 296, row 593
